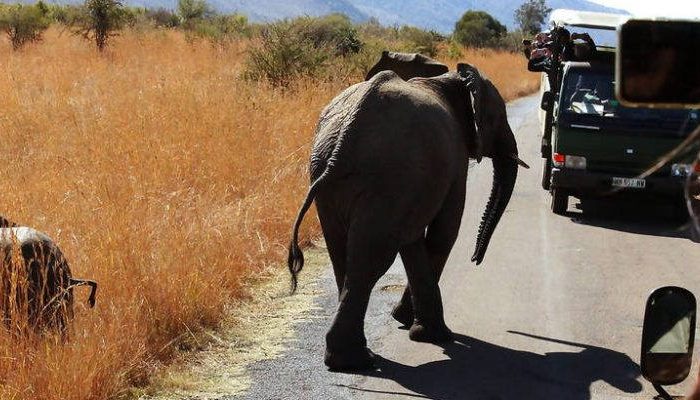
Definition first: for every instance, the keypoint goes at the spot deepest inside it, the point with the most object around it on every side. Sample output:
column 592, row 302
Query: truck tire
column 560, row 201
column 546, row 174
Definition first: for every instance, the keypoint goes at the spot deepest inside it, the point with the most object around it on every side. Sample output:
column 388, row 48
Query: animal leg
column 335, row 234
column 369, row 256
column 429, row 323
column 440, row 238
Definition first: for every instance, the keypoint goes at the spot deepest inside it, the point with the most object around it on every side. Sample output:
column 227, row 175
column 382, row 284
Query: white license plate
column 634, row 183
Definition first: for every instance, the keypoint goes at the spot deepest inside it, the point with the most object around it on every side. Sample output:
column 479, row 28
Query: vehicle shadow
column 640, row 216
column 480, row 370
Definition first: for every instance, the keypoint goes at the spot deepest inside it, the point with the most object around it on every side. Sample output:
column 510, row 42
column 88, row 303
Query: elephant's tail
column 295, row 261
column 86, row 282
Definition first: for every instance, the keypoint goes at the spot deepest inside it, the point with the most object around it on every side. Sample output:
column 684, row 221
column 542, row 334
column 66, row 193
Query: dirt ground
column 256, row 329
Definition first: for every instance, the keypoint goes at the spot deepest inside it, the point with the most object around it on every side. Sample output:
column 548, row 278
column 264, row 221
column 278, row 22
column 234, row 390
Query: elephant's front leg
column 440, row 238
column 428, row 323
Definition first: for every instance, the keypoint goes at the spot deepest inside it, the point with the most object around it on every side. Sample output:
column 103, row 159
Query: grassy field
column 163, row 176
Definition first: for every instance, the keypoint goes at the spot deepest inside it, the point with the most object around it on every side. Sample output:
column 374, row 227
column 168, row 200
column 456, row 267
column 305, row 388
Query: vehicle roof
column 591, row 65
column 587, row 19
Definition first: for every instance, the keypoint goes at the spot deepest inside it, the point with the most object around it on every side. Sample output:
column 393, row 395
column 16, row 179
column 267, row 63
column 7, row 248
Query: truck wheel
column 560, row 201
column 546, row 174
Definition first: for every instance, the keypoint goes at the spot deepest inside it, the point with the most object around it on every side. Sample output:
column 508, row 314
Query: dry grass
column 164, row 177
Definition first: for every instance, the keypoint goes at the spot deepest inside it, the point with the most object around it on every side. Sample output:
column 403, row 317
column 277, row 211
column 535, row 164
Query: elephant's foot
column 429, row 334
column 351, row 359
column 403, row 313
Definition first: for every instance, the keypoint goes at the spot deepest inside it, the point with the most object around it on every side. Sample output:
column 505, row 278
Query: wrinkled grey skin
column 388, row 172
column 407, row 65
column 48, row 296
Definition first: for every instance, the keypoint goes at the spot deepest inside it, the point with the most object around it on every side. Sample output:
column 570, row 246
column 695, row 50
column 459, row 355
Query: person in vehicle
column 601, row 94
column 577, row 51
column 558, row 44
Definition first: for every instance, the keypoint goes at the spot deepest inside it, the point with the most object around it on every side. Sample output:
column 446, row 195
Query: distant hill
column 439, row 15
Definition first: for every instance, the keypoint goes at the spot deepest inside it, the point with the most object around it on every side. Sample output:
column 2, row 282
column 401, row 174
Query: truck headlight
column 681, row 169
column 575, row 162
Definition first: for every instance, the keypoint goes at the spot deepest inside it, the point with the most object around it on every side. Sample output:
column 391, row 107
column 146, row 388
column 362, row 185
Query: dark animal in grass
column 388, row 175
column 36, row 286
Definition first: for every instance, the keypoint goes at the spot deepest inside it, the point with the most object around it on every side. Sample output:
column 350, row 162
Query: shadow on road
column 481, row 370
column 640, row 216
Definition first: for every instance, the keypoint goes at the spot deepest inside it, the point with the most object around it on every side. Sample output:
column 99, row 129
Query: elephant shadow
column 480, row 370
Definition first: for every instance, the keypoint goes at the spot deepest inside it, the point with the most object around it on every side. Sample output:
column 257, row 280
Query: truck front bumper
column 587, row 183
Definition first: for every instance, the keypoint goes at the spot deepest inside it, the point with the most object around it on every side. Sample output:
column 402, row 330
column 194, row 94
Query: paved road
column 554, row 312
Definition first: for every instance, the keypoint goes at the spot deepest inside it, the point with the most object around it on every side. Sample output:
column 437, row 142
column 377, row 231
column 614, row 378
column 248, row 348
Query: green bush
column 300, row 47
column 191, row 12
column 478, row 29
column 99, row 20
column 221, row 29
column 333, row 31
column 65, row 14
column 283, row 56
column 24, row 23
column 417, row 40
column 163, row 18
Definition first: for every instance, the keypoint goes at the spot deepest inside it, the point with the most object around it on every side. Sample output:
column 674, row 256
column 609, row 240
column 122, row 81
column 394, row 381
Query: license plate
column 634, row 183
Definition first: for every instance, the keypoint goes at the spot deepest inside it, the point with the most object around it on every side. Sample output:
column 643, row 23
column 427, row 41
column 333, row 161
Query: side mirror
column 657, row 63
column 547, row 99
column 667, row 336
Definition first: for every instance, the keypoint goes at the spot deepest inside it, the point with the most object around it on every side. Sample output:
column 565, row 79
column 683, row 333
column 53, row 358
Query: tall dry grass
column 164, row 177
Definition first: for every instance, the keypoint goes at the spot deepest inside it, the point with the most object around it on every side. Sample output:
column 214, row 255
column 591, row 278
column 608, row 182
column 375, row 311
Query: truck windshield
column 586, row 91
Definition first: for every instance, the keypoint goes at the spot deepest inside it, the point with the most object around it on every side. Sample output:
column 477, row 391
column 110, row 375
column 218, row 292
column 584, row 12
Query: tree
column 24, row 23
column 191, row 11
column 478, row 29
column 531, row 15
column 100, row 20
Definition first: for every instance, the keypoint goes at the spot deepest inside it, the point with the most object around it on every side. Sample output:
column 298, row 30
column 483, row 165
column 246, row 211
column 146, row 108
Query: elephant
column 35, row 281
column 388, row 173
column 407, row 65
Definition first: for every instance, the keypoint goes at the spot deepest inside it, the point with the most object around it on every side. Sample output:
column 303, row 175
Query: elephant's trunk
column 505, row 170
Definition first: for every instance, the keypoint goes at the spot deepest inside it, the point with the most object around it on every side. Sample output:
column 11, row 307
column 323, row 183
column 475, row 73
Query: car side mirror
column 657, row 64
column 667, row 337
column 547, row 99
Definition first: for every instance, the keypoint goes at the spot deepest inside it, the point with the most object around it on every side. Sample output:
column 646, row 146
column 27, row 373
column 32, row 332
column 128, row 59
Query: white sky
column 661, row 8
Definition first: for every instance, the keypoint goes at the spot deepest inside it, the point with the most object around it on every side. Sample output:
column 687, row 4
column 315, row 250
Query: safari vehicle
column 592, row 145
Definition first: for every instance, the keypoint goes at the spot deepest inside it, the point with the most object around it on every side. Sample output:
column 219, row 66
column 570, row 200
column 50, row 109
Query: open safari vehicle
column 594, row 145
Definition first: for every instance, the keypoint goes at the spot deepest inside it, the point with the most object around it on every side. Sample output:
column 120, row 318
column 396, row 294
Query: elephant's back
column 403, row 126
column 387, row 130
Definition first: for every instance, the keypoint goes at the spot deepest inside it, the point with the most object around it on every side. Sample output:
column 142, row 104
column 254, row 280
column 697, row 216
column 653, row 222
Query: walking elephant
column 388, row 174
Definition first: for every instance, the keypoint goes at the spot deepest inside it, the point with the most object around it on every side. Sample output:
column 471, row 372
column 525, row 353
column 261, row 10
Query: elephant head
column 407, row 65
column 491, row 135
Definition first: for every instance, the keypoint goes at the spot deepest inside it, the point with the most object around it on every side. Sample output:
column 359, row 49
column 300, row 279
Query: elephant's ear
column 407, row 65
column 475, row 84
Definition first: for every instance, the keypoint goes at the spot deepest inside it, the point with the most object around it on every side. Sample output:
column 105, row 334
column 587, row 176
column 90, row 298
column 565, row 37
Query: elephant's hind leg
column 440, row 238
column 429, row 323
column 336, row 237
column 369, row 255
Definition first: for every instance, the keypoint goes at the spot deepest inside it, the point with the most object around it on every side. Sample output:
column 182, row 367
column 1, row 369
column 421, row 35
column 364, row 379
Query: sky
column 662, row 8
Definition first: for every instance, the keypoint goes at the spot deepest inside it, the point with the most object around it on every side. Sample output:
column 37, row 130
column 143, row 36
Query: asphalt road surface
column 554, row 311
